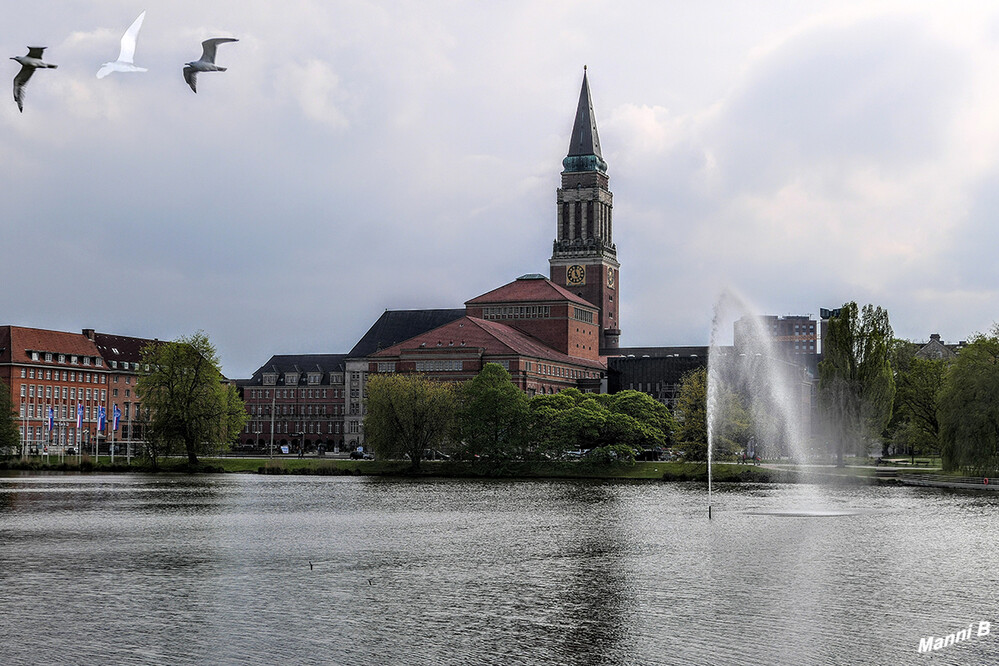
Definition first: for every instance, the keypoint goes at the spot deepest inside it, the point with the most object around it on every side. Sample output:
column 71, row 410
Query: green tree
column 408, row 414
column 9, row 434
column 548, row 438
column 190, row 404
column 969, row 407
column 657, row 424
column 492, row 415
column 915, row 425
column 856, row 384
column 692, row 415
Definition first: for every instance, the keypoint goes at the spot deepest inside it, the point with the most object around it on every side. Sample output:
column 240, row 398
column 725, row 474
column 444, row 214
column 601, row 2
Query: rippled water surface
column 343, row 570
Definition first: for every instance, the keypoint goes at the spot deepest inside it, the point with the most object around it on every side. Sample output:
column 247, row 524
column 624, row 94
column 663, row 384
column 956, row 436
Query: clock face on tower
column 575, row 274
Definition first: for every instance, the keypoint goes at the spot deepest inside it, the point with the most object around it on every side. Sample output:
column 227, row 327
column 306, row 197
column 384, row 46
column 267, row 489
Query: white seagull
column 207, row 62
column 127, row 54
column 29, row 63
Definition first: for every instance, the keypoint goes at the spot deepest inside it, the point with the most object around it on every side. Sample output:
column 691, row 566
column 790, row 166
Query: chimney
column 89, row 332
column 935, row 336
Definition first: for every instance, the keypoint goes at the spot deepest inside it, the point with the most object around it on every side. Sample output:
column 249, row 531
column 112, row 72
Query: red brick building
column 295, row 401
column 53, row 372
column 543, row 335
column 65, row 371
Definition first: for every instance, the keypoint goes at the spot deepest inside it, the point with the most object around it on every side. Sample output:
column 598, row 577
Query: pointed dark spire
column 584, row 145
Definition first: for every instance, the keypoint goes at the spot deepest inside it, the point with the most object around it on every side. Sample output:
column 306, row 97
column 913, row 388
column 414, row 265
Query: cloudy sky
column 359, row 156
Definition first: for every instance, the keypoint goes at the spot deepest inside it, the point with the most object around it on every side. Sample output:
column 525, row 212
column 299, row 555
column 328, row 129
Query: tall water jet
column 756, row 397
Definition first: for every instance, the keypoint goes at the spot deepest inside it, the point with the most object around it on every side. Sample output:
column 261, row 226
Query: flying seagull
column 207, row 62
column 124, row 61
column 29, row 63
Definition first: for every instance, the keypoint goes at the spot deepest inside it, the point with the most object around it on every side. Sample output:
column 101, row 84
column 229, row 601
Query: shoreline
column 639, row 471
column 722, row 473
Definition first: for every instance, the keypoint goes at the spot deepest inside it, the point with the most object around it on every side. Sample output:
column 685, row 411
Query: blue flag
column 101, row 418
column 116, row 416
column 79, row 415
column 51, row 416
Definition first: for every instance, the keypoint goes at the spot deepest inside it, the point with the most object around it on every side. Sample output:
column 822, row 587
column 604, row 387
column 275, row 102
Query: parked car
column 434, row 454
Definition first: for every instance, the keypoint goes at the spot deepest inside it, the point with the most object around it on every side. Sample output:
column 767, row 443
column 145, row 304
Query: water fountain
column 753, row 379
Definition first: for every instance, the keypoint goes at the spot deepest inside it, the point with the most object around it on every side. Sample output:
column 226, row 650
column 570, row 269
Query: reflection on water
column 345, row 570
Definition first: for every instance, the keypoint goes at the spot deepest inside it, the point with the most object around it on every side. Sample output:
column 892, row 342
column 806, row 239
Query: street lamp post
column 273, row 401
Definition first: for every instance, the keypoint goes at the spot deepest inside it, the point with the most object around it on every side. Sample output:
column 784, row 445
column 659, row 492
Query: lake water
column 216, row 569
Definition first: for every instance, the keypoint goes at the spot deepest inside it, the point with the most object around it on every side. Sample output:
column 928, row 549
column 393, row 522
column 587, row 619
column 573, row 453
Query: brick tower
column 584, row 259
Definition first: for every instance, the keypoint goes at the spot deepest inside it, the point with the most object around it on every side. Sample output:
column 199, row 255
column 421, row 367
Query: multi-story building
column 123, row 361
column 657, row 371
column 548, row 333
column 543, row 335
column 51, row 374
column 391, row 328
column 295, row 402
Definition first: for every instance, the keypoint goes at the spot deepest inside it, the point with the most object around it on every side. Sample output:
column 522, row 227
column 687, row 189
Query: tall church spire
column 584, row 144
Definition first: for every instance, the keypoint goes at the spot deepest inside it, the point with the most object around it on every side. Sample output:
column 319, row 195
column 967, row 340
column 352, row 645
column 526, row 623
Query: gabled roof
column 529, row 289
column 397, row 325
column 16, row 341
column 494, row 338
column 301, row 363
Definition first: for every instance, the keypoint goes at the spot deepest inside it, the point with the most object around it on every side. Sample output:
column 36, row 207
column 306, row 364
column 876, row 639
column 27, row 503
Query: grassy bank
column 661, row 471
column 653, row 471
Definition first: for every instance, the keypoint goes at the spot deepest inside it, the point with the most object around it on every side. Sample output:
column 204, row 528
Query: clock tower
column 584, row 259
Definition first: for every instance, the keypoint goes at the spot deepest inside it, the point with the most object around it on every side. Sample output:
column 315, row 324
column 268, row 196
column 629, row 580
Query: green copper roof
column 584, row 145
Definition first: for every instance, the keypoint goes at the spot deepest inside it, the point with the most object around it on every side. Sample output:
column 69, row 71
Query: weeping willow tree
column 969, row 407
column 856, row 383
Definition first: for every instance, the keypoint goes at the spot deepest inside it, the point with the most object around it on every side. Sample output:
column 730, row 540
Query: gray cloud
column 408, row 157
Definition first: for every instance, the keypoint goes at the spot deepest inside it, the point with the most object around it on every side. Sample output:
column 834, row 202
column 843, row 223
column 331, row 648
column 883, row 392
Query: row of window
column 579, row 314
column 127, row 365
column 68, row 392
column 439, row 366
column 63, row 412
column 559, row 371
column 304, row 410
column 333, row 427
column 83, row 377
column 517, row 312
column 291, row 378
column 49, row 357
column 257, row 394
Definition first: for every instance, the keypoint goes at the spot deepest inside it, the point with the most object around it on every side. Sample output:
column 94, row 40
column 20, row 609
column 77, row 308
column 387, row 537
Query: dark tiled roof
column 493, row 338
column 528, row 290
column 121, row 348
column 394, row 326
column 584, row 140
column 301, row 363
column 16, row 341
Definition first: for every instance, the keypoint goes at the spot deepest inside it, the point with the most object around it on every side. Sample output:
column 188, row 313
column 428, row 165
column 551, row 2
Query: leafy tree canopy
column 969, row 407
column 188, row 402
column 856, row 383
column 408, row 414
column 9, row 434
column 492, row 414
